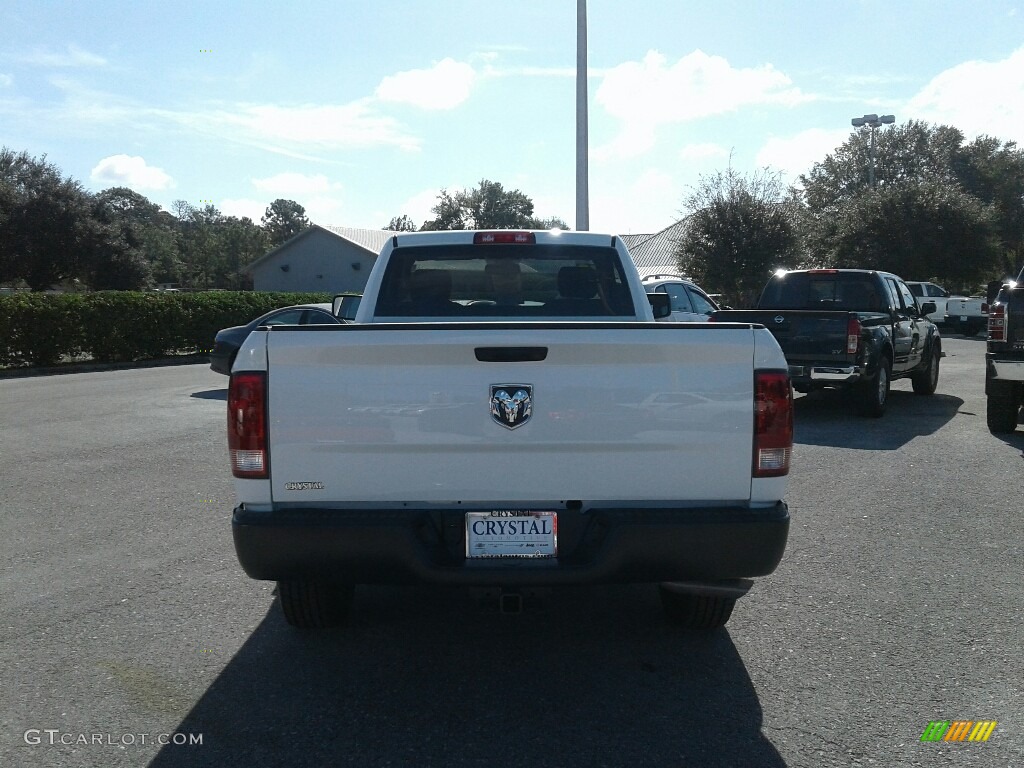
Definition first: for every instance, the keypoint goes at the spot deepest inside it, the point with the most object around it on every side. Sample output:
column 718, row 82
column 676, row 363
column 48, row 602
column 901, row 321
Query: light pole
column 873, row 122
column 582, row 165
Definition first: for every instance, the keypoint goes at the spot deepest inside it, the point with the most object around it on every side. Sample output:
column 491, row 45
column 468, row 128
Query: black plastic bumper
column 595, row 546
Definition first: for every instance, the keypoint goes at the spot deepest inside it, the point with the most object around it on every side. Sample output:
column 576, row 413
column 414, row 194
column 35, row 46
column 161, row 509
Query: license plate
column 963, row 318
column 511, row 533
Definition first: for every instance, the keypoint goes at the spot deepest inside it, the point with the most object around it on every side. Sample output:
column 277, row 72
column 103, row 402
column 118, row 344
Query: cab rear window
column 822, row 291
column 508, row 280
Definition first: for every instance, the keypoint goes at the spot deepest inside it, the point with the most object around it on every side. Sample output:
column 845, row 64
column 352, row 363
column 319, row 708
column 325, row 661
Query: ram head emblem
column 511, row 410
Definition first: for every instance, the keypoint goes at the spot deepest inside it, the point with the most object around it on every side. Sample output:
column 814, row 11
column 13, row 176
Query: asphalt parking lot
column 125, row 616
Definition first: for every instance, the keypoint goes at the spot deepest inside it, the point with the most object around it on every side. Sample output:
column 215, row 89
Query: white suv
column 690, row 304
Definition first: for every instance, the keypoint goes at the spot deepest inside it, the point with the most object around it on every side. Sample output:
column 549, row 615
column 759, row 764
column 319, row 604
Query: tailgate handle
column 511, row 354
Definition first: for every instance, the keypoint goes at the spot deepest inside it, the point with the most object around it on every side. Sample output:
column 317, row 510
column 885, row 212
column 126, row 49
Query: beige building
column 327, row 259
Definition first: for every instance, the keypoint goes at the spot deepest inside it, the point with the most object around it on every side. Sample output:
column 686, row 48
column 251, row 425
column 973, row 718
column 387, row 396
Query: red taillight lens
column 504, row 236
column 997, row 322
column 247, row 425
column 773, row 424
column 852, row 336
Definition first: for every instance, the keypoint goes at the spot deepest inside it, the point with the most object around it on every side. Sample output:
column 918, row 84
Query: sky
column 364, row 110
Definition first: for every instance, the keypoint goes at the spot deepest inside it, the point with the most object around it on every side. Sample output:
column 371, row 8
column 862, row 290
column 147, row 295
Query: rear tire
column 1002, row 407
column 926, row 381
column 695, row 611
column 315, row 604
column 874, row 393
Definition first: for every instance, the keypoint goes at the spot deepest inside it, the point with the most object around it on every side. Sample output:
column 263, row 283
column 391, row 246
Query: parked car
column 228, row 340
column 932, row 292
column 967, row 314
column 852, row 329
column 1004, row 359
column 689, row 303
column 506, row 413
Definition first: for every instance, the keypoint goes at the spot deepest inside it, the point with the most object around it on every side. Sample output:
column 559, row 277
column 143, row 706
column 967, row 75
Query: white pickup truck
column 492, row 418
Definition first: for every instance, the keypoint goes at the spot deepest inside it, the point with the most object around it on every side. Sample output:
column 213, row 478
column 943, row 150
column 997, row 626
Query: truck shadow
column 829, row 417
column 427, row 677
column 212, row 394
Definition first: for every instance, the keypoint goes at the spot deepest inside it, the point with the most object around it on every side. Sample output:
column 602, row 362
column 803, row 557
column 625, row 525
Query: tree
column 939, row 209
column 45, row 222
column 926, row 227
column 448, row 213
column 401, row 224
column 739, row 228
column 487, row 206
column 283, row 220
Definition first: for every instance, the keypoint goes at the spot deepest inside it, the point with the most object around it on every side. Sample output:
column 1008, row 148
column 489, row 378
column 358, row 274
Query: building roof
column 657, row 251
column 370, row 240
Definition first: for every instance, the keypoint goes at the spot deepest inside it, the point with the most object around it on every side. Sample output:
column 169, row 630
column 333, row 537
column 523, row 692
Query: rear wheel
column 695, row 611
column 315, row 604
column 927, row 380
column 874, row 393
column 1002, row 407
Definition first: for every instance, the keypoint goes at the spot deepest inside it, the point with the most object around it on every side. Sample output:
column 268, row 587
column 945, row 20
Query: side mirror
column 660, row 305
column 344, row 306
column 928, row 307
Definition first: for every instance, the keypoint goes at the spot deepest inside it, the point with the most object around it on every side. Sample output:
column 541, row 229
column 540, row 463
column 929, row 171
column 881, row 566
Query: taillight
column 773, row 424
column 504, row 236
column 247, row 425
column 997, row 323
column 852, row 336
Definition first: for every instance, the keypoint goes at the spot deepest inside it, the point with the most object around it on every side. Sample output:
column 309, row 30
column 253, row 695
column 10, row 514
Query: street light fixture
column 872, row 121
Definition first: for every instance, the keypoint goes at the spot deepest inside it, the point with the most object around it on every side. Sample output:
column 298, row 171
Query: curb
column 57, row 370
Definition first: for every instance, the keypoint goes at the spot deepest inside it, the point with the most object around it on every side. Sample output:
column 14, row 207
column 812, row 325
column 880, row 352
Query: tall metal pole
column 871, row 167
column 582, row 167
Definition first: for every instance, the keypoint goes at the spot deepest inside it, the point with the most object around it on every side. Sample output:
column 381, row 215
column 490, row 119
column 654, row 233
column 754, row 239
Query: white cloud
column 293, row 185
column 651, row 93
column 346, row 126
column 242, row 207
column 130, row 171
column 978, row 97
column 796, row 154
column 444, row 86
column 321, row 197
column 647, row 204
column 6, row 80
column 74, row 57
column 418, row 207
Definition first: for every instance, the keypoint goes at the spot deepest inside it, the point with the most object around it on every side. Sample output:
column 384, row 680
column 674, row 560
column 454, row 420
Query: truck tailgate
column 805, row 336
column 401, row 413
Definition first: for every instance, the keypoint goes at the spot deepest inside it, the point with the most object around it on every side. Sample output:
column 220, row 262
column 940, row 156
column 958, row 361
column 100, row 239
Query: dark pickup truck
column 1004, row 358
column 848, row 328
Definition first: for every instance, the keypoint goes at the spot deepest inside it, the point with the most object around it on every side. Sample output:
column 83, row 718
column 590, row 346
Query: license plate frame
column 963, row 318
column 512, row 533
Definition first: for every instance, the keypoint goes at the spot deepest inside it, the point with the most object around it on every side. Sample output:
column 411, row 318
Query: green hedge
column 110, row 326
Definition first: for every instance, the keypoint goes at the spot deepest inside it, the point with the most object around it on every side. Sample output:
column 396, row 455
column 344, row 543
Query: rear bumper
column 825, row 374
column 1003, row 369
column 220, row 358
column 595, row 546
